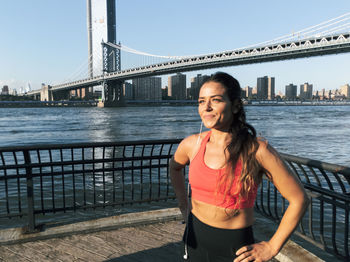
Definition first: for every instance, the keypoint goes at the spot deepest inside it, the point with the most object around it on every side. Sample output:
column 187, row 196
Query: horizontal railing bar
column 8, row 177
column 81, row 171
column 318, row 164
column 89, row 145
column 327, row 192
column 86, row 162
column 14, row 214
column 319, row 192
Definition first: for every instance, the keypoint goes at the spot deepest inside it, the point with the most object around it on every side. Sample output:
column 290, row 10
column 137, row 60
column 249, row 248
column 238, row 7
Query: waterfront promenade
column 47, row 194
column 144, row 236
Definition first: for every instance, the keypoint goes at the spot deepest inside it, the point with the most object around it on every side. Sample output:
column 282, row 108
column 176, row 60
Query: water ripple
column 320, row 132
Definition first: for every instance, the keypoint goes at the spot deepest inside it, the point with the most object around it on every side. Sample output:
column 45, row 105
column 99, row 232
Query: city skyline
column 280, row 90
column 149, row 88
column 176, row 89
column 41, row 47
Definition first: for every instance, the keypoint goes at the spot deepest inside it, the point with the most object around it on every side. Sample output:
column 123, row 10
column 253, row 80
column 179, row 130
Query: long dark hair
column 243, row 146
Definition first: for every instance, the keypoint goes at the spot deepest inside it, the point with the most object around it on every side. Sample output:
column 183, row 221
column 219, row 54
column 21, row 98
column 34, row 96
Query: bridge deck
column 154, row 242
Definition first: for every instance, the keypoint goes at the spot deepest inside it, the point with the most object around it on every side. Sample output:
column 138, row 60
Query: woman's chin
column 208, row 124
column 215, row 126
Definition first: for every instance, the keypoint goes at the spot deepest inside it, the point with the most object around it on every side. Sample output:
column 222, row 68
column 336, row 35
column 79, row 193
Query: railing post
column 30, row 193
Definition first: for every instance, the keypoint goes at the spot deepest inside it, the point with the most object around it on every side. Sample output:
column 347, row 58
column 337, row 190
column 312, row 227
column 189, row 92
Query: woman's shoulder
column 191, row 144
column 194, row 139
column 265, row 150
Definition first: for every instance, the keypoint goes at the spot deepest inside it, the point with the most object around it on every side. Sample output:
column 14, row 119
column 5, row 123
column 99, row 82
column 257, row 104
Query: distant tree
column 15, row 98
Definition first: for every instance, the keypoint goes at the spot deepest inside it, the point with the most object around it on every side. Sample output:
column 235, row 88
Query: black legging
column 210, row 244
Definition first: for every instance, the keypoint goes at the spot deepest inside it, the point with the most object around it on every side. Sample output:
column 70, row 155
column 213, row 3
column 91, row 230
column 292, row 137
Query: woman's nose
column 208, row 106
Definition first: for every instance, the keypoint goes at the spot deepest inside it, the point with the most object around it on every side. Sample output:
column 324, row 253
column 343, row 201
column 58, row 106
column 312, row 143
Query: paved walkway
column 156, row 242
column 122, row 238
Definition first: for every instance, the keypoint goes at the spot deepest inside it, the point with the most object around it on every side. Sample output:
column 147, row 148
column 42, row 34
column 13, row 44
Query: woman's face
column 214, row 106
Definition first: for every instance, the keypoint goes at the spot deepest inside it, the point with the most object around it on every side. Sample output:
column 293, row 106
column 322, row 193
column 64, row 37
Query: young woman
column 226, row 167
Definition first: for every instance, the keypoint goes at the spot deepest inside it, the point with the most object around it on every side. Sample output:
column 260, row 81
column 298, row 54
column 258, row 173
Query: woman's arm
column 290, row 188
column 177, row 164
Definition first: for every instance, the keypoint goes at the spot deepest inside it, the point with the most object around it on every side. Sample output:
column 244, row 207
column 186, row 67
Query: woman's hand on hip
column 258, row 252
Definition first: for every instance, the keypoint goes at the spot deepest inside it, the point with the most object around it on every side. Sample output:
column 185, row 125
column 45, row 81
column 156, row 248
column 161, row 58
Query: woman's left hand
column 259, row 252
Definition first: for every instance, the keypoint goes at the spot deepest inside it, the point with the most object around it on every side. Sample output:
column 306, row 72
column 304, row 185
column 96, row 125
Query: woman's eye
column 217, row 100
column 200, row 101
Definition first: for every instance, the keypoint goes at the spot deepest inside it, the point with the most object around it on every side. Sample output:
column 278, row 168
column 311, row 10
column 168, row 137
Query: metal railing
column 39, row 180
column 326, row 222
column 36, row 181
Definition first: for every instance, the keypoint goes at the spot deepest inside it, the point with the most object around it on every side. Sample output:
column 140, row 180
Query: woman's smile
column 209, row 117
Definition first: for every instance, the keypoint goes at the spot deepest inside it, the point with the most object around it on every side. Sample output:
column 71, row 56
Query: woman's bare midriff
column 222, row 218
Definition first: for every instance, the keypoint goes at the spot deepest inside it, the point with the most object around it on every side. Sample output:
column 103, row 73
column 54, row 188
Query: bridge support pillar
column 46, row 93
column 112, row 94
column 36, row 97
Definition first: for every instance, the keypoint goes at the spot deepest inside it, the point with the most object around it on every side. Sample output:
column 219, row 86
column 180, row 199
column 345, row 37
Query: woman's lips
column 208, row 116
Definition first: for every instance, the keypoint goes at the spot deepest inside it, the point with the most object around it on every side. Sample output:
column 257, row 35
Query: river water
column 317, row 132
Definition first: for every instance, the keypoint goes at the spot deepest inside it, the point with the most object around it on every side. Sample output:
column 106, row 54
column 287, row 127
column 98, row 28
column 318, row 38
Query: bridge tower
column 101, row 22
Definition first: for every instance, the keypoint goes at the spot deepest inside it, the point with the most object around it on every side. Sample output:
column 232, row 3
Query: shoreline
column 138, row 103
column 33, row 104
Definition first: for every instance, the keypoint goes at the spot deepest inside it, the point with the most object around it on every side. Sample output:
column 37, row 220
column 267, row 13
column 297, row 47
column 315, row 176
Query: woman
column 226, row 167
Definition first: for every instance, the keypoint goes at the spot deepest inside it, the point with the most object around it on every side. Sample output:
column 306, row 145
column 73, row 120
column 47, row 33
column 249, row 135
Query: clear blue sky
column 46, row 41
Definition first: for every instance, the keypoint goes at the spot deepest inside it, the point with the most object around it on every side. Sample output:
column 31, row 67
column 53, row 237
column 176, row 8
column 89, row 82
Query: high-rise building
column 196, row 83
column 147, row 88
column 177, row 86
column 266, row 88
column 13, row 92
column 305, row 91
column 255, row 91
column 271, row 88
column 291, row 92
column 345, row 90
column 247, row 92
column 262, row 88
column 128, row 91
column 5, row 90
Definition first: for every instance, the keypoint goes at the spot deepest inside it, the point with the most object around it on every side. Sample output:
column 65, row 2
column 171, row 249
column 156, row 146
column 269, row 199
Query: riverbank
column 298, row 103
column 246, row 103
column 32, row 104
column 151, row 103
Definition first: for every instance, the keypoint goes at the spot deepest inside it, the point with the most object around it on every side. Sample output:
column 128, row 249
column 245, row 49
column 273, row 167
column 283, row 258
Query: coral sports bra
column 204, row 179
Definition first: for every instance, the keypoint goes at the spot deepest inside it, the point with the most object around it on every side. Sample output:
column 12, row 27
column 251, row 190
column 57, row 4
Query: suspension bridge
column 329, row 37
